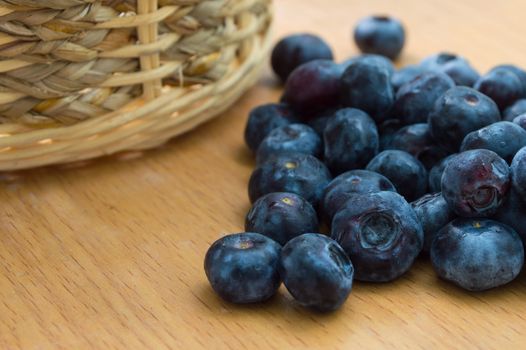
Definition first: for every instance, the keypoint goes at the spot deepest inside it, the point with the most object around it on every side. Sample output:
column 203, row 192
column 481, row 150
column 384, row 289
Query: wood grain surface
column 108, row 255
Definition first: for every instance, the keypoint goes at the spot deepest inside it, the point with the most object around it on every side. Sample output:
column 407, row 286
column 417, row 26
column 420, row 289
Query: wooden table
column 110, row 255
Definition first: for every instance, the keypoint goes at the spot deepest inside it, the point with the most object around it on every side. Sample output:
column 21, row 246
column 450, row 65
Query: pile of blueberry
column 426, row 160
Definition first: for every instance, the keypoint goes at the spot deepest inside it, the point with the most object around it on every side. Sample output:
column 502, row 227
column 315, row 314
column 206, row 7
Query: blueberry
column 477, row 254
column 502, row 85
column 475, row 183
column 433, row 213
column 281, row 216
column 416, row 140
column 520, row 120
column 320, row 121
column 293, row 138
column 405, row 75
column 313, row 87
column 511, row 213
column 316, row 272
column 518, row 173
column 366, row 85
column 244, row 267
column 298, row 173
column 458, row 68
column 520, row 73
column 380, row 35
column 350, row 140
column 503, row 138
column 458, row 112
column 405, row 171
column 378, row 60
column 343, row 187
column 416, row 99
column 295, row 50
column 435, row 174
column 381, row 234
column 516, row 109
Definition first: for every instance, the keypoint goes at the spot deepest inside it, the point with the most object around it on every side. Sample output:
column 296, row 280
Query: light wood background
column 109, row 255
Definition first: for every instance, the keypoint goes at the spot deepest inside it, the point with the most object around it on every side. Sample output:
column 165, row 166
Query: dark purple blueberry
column 435, row 174
column 458, row 112
column 475, row 183
column 516, row 109
column 406, row 172
column 518, row 173
column 366, row 85
column 350, row 140
column 265, row 118
column 295, row 50
column 316, row 272
column 477, row 254
column 243, row 268
column 433, row 213
column 381, row 234
column 520, row 73
column 343, row 187
column 281, row 216
column 502, row 85
column 298, row 173
column 520, row 120
column 503, row 138
column 387, row 130
column 381, row 35
column 376, row 59
column 313, row 87
column 416, row 99
column 457, row 67
column 511, row 213
column 293, row 138
column 416, row 140
column 406, row 74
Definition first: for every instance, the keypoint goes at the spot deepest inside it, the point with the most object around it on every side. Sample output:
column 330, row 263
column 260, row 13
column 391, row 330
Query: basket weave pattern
column 84, row 78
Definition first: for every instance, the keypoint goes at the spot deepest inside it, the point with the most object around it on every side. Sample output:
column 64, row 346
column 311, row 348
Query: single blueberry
column 477, row 254
column 475, row 183
column 458, row 112
column 406, row 74
column 295, row 50
column 435, row 174
column 511, row 213
column 433, row 213
column 518, row 173
column 366, row 85
column 503, row 138
column 381, row 234
column 416, row 99
column 380, row 35
column 519, row 72
column 292, row 138
column 516, row 109
column 343, row 187
column 316, row 272
column 502, row 85
column 457, row 67
column 406, row 172
column 313, row 87
column 281, row 216
column 520, row 120
column 350, row 140
column 243, row 268
column 298, row 173
column 378, row 60
column 265, row 118
column 416, row 140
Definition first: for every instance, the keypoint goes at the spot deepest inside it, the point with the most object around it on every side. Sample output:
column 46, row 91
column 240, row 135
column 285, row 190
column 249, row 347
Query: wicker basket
column 85, row 78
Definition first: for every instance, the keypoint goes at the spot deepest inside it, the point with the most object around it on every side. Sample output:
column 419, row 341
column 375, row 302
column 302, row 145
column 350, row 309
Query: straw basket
column 85, row 78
